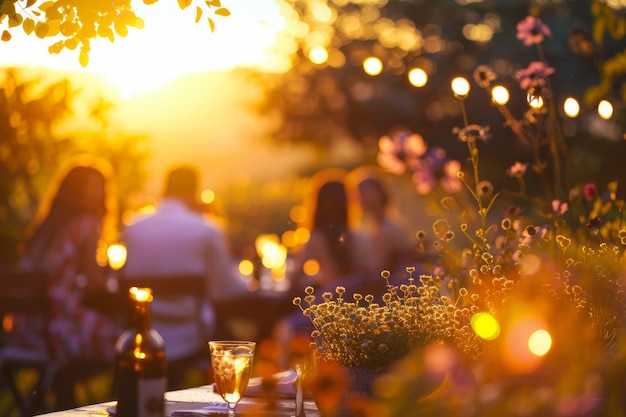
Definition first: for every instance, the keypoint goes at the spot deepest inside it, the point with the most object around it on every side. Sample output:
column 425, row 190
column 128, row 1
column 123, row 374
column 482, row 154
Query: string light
column 460, row 87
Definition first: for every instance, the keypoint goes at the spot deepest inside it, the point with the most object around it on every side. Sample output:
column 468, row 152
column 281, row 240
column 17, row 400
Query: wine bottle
column 140, row 365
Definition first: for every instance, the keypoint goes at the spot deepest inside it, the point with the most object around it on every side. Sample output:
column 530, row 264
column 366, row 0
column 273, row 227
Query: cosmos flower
column 534, row 75
column 399, row 151
column 532, row 30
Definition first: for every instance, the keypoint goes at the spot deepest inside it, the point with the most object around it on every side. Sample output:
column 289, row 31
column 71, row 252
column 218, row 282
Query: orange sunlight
column 170, row 45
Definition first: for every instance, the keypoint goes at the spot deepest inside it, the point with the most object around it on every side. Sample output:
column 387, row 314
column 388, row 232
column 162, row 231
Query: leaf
column 211, row 24
column 213, row 3
column 30, row 3
column 83, row 58
column 56, row 47
column 6, row 36
column 28, row 25
column 198, row 14
column 41, row 30
column 222, row 12
column 44, row 6
column 71, row 43
column 15, row 20
column 183, row 4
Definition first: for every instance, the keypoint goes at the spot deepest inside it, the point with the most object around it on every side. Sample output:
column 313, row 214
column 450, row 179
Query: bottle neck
column 140, row 316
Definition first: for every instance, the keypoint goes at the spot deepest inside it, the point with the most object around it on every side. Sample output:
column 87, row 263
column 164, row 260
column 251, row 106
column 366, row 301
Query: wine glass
column 232, row 364
column 302, row 361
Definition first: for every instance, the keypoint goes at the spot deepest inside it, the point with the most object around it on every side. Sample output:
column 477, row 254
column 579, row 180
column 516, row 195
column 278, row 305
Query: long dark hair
column 63, row 204
column 331, row 218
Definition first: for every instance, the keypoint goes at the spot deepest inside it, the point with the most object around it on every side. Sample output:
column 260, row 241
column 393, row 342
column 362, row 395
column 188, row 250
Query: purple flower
column 423, row 178
column 534, row 75
column 531, row 31
column 402, row 150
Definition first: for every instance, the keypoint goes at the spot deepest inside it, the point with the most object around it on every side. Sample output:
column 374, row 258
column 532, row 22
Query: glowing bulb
column 571, row 107
column 372, row 66
column 485, row 326
column 500, row 94
column 116, row 255
column 460, row 87
column 318, row 55
column 207, row 196
column 536, row 102
column 605, row 109
column 418, row 77
column 540, row 342
column 246, row 267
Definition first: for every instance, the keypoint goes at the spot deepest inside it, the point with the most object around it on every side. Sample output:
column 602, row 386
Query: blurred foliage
column 334, row 98
column 79, row 22
column 34, row 141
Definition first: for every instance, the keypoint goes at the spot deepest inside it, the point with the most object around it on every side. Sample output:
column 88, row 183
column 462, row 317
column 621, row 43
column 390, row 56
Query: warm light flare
column 418, row 77
column 372, row 66
column 571, row 107
column 460, row 87
column 536, row 102
column 116, row 255
column 500, row 95
column 605, row 109
column 540, row 342
column 318, row 55
column 485, row 325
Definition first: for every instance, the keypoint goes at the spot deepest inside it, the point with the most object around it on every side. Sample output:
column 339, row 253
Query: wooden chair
column 26, row 293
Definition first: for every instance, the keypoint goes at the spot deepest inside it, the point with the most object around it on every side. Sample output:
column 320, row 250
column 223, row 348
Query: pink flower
column 590, row 190
column 559, row 207
column 518, row 169
column 534, row 75
column 531, row 31
column 402, row 150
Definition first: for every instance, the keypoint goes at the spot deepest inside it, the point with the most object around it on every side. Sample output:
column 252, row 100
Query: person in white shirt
column 178, row 240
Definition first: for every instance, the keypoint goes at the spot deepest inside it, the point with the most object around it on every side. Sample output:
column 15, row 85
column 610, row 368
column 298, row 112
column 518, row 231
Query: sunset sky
column 174, row 85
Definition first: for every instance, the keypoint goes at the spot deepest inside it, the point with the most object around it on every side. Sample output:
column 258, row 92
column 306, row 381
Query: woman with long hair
column 63, row 242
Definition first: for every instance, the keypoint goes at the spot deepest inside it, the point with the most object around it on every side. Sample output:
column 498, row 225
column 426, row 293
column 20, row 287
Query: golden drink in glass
column 232, row 365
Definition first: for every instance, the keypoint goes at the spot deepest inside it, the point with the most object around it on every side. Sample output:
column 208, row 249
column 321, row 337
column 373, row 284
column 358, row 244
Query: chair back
column 22, row 291
column 25, row 292
column 165, row 285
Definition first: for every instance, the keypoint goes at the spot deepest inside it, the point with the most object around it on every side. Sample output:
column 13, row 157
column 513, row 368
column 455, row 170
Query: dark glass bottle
column 140, row 366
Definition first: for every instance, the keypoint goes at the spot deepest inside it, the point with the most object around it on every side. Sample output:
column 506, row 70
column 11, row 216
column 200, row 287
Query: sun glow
column 170, row 45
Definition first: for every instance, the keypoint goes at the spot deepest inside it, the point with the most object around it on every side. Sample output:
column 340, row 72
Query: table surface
column 195, row 399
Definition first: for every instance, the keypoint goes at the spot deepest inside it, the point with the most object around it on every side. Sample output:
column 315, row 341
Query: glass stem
column 299, row 394
column 231, row 409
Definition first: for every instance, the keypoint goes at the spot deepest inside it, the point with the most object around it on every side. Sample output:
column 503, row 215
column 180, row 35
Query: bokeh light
column 311, row 267
column 500, row 94
column 372, row 66
column 540, row 342
column 207, row 196
column 536, row 102
column 605, row 109
column 571, row 107
column 418, row 77
column 516, row 350
column 246, row 267
column 116, row 255
column 460, row 87
column 318, row 55
column 485, row 325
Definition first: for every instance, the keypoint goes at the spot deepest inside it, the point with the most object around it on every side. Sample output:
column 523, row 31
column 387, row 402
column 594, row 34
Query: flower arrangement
column 365, row 332
column 532, row 297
